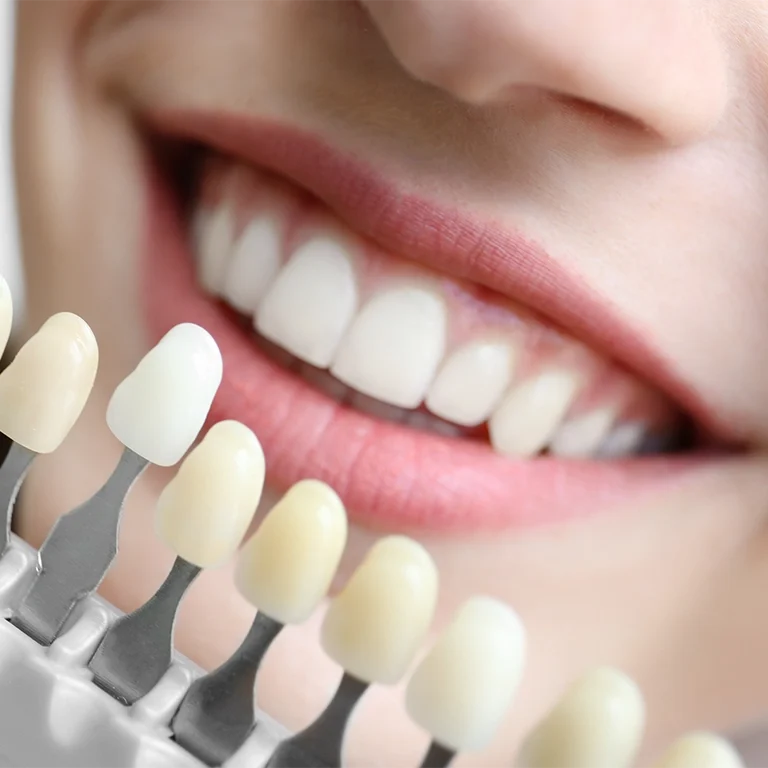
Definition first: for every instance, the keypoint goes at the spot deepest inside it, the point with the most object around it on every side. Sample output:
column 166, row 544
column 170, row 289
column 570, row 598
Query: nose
column 657, row 62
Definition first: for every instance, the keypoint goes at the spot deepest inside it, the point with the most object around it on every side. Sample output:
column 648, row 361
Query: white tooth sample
column 531, row 412
column 375, row 625
column 394, row 346
column 581, row 436
column 700, row 750
column 159, row 408
column 312, row 301
column 622, row 440
column 205, row 510
column 471, row 383
column 6, row 313
column 44, row 389
column 254, row 264
column 285, row 569
column 462, row 689
column 214, row 233
column 598, row 723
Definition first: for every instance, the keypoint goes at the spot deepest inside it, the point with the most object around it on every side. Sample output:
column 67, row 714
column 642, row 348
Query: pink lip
column 389, row 476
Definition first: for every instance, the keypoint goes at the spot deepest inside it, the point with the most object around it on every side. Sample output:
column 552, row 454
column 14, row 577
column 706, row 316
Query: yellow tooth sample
column 204, row 512
column 700, row 750
column 462, row 689
column 598, row 723
column 376, row 624
column 6, row 313
column 44, row 389
column 286, row 568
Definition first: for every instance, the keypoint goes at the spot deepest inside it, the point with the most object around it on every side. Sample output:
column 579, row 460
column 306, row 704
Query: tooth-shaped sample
column 214, row 233
column 286, row 568
column 254, row 264
column 393, row 348
column 462, row 689
column 310, row 305
column 700, row 750
column 598, row 723
column 205, row 510
column 471, row 383
column 44, row 389
column 623, row 440
column 160, row 407
column 6, row 313
column 528, row 416
column 375, row 625
column 581, row 436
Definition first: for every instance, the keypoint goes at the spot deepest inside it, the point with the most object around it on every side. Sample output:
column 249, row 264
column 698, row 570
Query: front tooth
column 598, row 723
column 394, row 346
column 375, row 625
column 581, row 436
column 623, row 440
column 204, row 512
column 471, row 383
column 528, row 416
column 44, row 389
column 287, row 566
column 462, row 689
column 254, row 264
column 214, row 233
column 312, row 302
column 159, row 408
column 700, row 750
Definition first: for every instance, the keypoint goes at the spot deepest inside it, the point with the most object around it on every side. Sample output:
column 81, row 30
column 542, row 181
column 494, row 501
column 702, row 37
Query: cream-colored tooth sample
column 622, row 440
column 159, row 408
column 529, row 414
column 580, row 437
column 598, row 723
column 6, row 313
column 471, row 382
column 700, row 750
column 462, row 689
column 375, row 625
column 214, row 234
column 312, row 301
column 285, row 569
column 205, row 510
column 254, row 264
column 44, row 389
column 393, row 347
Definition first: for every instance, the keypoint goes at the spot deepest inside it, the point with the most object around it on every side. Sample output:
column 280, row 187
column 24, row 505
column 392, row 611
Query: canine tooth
column 214, row 233
column 254, row 264
column 394, row 345
column 598, row 723
column 205, row 510
column 287, row 566
column 623, row 440
column 159, row 408
column 375, row 625
column 462, row 689
column 581, row 436
column 44, row 389
column 528, row 416
column 471, row 382
column 6, row 313
column 700, row 750
column 312, row 301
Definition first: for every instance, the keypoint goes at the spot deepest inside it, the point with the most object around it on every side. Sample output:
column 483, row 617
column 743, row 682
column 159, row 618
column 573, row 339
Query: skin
column 651, row 187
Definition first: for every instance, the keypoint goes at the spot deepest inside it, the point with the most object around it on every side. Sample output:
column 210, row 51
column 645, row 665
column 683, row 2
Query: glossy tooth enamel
column 531, row 412
column 44, row 389
column 462, row 689
column 286, row 568
column 622, row 440
column 471, row 382
column 394, row 346
column 205, row 510
column 158, row 409
column 598, row 723
column 700, row 750
column 6, row 314
column 581, row 436
column 214, row 232
column 310, row 305
column 375, row 625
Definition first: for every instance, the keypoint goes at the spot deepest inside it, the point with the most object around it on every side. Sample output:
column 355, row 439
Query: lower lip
column 390, row 477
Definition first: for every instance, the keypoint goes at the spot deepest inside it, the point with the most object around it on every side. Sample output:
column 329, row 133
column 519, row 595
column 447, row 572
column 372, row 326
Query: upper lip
column 446, row 240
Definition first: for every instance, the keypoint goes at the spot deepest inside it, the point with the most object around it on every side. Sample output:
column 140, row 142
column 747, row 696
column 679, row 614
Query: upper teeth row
column 393, row 347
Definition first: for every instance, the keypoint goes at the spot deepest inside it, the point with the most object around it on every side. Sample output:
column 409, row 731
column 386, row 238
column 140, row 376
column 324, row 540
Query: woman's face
column 543, row 223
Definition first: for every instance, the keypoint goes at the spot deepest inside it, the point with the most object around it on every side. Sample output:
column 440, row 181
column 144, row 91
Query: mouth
column 438, row 373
